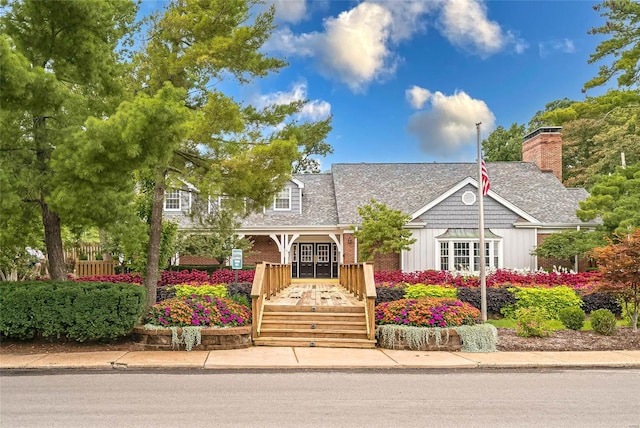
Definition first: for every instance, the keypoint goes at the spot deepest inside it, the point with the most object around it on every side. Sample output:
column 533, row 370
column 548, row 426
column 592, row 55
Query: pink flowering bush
column 427, row 312
column 198, row 311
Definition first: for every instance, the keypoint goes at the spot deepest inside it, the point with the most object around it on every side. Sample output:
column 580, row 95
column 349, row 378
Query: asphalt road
column 407, row 398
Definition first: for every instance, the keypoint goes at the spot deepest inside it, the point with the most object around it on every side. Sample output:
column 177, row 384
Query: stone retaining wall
column 212, row 339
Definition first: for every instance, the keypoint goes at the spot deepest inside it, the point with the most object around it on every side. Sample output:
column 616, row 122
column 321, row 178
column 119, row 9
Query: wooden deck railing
column 269, row 280
column 358, row 279
column 95, row 267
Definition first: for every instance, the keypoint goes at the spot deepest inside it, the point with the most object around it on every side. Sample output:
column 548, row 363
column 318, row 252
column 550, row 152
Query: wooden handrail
column 358, row 279
column 269, row 280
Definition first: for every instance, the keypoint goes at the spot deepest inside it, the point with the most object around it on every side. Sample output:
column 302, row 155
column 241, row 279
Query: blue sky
column 406, row 81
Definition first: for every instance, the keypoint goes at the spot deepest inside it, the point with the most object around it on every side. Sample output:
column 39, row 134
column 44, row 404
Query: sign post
column 236, row 265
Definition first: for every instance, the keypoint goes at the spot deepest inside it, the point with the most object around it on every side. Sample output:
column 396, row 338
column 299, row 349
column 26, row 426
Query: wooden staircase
column 309, row 326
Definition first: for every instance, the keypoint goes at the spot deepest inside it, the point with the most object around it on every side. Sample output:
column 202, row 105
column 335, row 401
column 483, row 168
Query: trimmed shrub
column 603, row 322
column 533, row 321
column 417, row 291
column 427, row 312
column 72, row 310
column 199, row 311
column 497, row 298
column 593, row 301
column 573, row 318
column 186, row 290
column 552, row 300
column 389, row 294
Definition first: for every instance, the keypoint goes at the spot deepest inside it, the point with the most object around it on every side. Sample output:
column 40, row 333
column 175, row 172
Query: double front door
column 314, row 260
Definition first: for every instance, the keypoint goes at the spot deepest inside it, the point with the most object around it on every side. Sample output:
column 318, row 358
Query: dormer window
column 172, row 200
column 282, row 201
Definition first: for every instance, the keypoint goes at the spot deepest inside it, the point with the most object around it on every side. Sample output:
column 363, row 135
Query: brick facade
column 264, row 249
column 544, row 148
column 349, row 249
column 386, row 261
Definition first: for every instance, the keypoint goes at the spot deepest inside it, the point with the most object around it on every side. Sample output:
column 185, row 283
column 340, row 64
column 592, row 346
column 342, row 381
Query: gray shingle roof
column 334, row 198
column 411, row 186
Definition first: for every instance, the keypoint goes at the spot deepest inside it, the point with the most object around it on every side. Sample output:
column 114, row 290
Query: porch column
column 290, row 241
column 339, row 246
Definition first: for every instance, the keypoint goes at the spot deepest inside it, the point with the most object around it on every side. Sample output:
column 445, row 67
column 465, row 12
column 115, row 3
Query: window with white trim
column 457, row 255
column 172, row 200
column 282, row 201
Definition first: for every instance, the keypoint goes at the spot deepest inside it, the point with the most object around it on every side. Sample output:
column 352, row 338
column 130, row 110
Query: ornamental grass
column 199, row 311
column 427, row 312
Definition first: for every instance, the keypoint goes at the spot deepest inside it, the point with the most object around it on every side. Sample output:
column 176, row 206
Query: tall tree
column 382, row 231
column 616, row 199
column 58, row 60
column 199, row 134
column 503, row 144
column 623, row 26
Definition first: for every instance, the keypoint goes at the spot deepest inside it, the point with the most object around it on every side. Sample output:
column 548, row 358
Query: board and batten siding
column 453, row 213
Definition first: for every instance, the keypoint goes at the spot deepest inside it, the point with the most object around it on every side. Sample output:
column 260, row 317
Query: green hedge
column 551, row 300
column 74, row 310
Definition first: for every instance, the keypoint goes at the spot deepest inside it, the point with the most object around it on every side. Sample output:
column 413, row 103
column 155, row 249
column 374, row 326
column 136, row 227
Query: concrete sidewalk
column 260, row 357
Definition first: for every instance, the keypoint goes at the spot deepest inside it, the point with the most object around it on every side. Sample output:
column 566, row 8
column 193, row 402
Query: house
column 309, row 224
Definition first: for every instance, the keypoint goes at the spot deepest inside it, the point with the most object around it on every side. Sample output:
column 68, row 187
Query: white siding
column 517, row 245
column 422, row 254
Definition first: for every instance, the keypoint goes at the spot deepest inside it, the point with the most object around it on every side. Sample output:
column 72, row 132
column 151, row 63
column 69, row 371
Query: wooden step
column 313, row 334
column 320, row 342
column 317, row 324
column 311, row 316
column 318, row 309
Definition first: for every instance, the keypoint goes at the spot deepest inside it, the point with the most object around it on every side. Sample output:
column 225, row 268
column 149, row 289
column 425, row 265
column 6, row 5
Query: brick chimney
column 544, row 147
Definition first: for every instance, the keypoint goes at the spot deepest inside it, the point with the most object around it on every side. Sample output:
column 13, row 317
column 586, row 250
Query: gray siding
column 453, row 213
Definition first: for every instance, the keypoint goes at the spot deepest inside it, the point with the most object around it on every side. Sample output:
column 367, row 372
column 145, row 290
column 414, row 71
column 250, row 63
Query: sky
column 406, row 81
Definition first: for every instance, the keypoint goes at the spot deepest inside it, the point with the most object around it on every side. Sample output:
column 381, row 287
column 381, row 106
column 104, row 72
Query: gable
column 451, row 212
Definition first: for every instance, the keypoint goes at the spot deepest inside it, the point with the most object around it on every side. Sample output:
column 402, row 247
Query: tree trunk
column 103, row 245
column 53, row 242
column 155, row 236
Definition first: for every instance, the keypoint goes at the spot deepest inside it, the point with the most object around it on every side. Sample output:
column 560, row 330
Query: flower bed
column 198, row 311
column 427, row 312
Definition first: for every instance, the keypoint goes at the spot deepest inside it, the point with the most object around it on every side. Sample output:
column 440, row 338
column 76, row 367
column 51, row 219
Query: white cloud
column 417, row 96
column 357, row 47
column 562, row 46
column 312, row 110
column 289, row 10
column 449, row 125
column 466, row 25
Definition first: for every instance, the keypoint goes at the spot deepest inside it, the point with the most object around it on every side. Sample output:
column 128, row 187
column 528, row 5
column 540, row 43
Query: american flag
column 485, row 180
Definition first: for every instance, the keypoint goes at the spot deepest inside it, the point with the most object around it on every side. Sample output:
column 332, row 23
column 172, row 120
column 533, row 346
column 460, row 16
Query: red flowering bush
column 126, row 278
column 198, row 311
column 501, row 277
column 427, row 312
column 227, row 276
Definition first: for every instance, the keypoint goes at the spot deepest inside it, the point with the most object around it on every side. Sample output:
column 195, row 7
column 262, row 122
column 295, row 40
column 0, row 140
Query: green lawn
column 554, row 324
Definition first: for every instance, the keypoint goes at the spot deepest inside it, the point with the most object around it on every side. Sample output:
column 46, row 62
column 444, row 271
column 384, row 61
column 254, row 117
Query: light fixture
column 349, row 240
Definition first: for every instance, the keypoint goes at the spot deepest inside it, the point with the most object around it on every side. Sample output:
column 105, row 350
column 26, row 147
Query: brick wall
column 386, row 261
column 545, row 150
column 264, row 250
column 349, row 249
column 198, row 261
column 547, row 263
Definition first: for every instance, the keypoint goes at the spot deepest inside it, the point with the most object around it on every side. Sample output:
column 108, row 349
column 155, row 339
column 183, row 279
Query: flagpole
column 481, row 249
